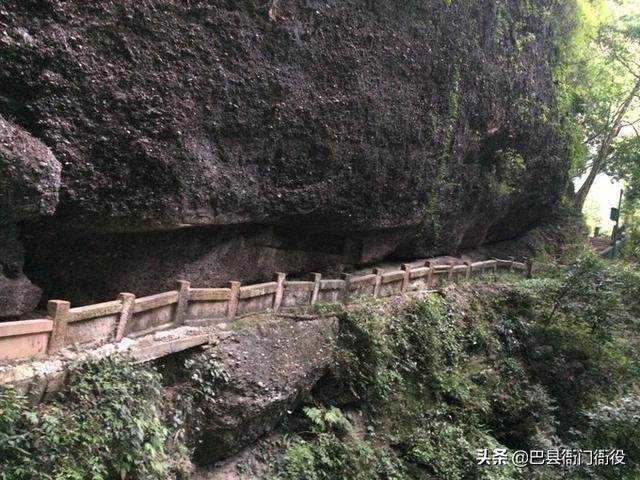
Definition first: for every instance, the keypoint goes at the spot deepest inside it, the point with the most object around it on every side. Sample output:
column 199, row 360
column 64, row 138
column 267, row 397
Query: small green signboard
column 615, row 214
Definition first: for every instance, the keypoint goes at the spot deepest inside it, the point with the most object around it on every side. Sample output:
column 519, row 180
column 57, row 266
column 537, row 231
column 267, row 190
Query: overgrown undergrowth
column 112, row 420
column 106, row 424
column 546, row 363
column 417, row 387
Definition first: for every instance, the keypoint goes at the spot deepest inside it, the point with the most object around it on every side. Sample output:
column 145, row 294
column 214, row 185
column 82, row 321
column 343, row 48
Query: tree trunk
column 605, row 147
column 583, row 191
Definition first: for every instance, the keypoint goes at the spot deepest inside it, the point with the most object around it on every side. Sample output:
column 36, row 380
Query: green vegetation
column 597, row 82
column 512, row 167
column 575, row 75
column 106, row 424
column 336, row 451
column 631, row 247
column 112, row 420
column 550, row 362
column 440, row 184
column 598, row 85
column 416, row 390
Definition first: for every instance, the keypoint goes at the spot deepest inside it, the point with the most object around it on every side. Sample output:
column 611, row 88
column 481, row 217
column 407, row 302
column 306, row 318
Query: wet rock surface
column 330, row 133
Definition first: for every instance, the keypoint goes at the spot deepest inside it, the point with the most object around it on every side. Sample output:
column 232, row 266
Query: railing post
column 529, row 270
column 232, row 309
column 512, row 260
column 376, row 288
column 450, row 276
column 429, row 274
column 345, row 290
column 317, row 278
column 277, row 298
column 495, row 269
column 58, row 311
column 183, row 302
column 406, row 268
column 468, row 273
column 126, row 314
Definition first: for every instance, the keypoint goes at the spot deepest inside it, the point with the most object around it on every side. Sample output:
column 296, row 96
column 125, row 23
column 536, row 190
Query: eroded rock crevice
column 265, row 370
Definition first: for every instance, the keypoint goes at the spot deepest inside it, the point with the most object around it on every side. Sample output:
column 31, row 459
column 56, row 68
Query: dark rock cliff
column 29, row 184
column 217, row 139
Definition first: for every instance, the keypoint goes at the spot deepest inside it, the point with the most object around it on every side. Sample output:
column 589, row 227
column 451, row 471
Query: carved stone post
column 232, row 309
column 317, row 278
column 529, row 270
column 378, row 273
column 58, row 311
column 126, row 314
column 277, row 298
column 347, row 284
column 406, row 278
column 183, row 302
column 430, row 274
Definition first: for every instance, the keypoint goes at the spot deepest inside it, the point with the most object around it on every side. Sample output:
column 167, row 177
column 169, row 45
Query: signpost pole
column 615, row 215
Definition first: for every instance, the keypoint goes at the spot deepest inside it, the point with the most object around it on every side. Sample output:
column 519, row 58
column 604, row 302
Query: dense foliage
column 545, row 363
column 106, row 424
column 112, row 420
column 417, row 388
column 598, row 85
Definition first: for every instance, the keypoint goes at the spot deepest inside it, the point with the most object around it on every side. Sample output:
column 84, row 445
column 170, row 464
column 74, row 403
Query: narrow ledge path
column 149, row 328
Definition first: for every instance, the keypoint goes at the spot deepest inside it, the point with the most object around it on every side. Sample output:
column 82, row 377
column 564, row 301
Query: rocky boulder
column 29, row 175
column 29, row 185
column 270, row 367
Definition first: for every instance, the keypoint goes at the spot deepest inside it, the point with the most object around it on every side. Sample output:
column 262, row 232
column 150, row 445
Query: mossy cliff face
column 325, row 132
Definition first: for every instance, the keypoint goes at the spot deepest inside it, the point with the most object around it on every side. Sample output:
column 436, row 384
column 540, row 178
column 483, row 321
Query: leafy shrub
column 335, row 451
column 614, row 426
column 582, row 346
column 363, row 354
column 105, row 424
column 424, row 381
column 449, row 450
column 631, row 247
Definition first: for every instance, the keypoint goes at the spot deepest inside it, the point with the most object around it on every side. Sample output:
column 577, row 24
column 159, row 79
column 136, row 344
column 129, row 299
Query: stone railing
column 128, row 316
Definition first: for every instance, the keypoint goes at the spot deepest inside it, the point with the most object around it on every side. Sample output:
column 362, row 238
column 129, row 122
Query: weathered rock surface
column 29, row 184
column 29, row 175
column 270, row 366
column 18, row 296
column 363, row 128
